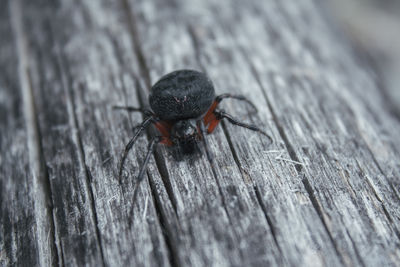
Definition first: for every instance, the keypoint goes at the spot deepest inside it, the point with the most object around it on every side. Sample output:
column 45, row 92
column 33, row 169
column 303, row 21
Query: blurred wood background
column 326, row 193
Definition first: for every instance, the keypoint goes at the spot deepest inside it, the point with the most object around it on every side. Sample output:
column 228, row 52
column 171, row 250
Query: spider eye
column 189, row 131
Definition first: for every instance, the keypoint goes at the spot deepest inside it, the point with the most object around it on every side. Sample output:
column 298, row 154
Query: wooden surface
column 326, row 193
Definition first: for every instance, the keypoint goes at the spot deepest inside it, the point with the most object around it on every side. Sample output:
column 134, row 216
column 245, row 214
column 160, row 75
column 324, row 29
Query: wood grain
column 325, row 193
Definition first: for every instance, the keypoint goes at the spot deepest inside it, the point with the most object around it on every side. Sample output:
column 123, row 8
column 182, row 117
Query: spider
column 184, row 109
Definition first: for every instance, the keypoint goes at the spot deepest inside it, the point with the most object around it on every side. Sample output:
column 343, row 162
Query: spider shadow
column 180, row 154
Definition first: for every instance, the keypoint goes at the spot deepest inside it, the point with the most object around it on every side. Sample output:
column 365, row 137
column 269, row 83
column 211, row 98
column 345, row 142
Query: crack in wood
column 93, row 207
column 144, row 69
column 162, row 169
column 376, row 195
column 269, row 221
column 196, row 46
column 168, row 235
column 356, row 250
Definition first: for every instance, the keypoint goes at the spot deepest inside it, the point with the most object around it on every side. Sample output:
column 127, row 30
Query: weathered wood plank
column 82, row 138
column 326, row 193
column 26, row 235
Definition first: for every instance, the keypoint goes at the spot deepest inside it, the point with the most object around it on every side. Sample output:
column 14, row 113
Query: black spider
column 183, row 109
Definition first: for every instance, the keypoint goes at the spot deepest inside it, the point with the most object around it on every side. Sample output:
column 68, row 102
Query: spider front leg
column 145, row 111
column 209, row 115
column 218, row 115
column 162, row 126
column 128, row 147
column 150, row 149
column 139, row 179
column 219, row 98
column 210, row 118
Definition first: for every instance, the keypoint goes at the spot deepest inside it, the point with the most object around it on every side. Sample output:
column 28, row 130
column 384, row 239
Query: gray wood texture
column 325, row 193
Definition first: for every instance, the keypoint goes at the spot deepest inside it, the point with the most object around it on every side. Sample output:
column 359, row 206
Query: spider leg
column 219, row 98
column 203, row 131
column 220, row 114
column 163, row 127
column 150, row 149
column 146, row 112
column 137, row 126
column 210, row 116
column 128, row 147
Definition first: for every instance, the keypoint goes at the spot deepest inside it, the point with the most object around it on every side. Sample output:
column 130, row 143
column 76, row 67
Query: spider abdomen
column 182, row 94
